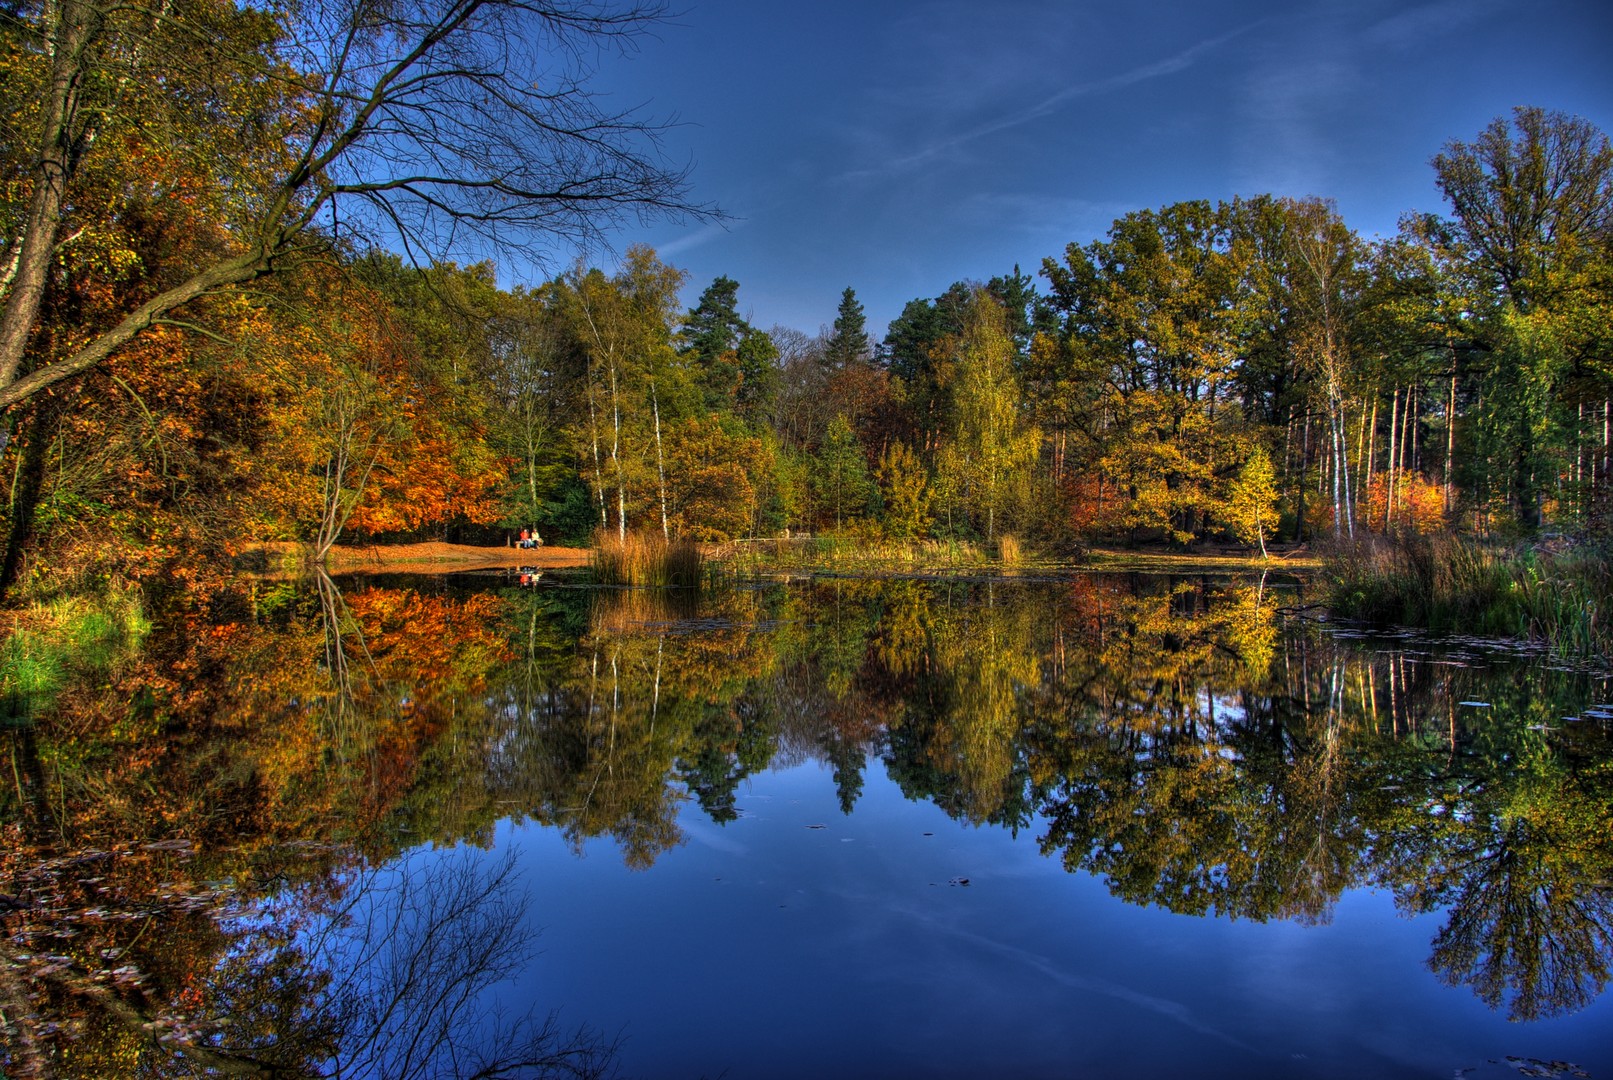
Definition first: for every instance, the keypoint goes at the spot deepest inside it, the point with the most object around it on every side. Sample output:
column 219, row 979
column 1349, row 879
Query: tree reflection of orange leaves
column 346, row 750
column 1091, row 600
column 438, row 643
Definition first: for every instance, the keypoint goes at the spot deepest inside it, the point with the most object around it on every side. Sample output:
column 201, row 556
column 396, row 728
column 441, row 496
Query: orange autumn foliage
column 1419, row 505
column 1093, row 505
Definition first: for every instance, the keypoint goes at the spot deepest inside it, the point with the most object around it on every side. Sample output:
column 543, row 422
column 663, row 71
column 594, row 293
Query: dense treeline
column 198, row 346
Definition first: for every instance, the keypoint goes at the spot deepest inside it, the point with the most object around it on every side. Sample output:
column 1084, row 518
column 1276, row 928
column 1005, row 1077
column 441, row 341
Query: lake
column 1010, row 826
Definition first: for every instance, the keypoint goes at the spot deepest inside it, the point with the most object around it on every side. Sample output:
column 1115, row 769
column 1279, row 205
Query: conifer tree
column 848, row 342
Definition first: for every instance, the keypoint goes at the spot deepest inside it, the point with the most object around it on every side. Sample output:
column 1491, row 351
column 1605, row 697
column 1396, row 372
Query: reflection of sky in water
column 768, row 948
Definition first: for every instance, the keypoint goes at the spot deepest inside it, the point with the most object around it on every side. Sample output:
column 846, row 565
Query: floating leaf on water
column 169, row 845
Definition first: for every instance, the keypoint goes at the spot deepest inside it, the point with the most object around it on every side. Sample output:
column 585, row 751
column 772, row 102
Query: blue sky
column 898, row 147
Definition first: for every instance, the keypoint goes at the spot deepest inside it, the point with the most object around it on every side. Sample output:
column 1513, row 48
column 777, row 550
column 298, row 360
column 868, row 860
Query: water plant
column 1450, row 583
column 646, row 560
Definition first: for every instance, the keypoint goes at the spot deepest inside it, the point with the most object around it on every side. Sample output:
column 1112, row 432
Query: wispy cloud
column 1292, row 123
column 1415, row 26
column 703, row 235
column 1053, row 969
column 1170, row 65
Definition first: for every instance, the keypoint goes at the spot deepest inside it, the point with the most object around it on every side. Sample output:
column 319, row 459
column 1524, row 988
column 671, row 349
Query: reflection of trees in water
column 389, row 976
column 1524, row 932
column 1171, row 737
column 956, row 741
column 356, row 971
column 1181, row 745
column 157, row 922
column 1523, row 872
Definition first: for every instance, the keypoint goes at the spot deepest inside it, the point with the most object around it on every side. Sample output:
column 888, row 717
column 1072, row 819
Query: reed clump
column 1449, row 584
column 1009, row 551
column 646, row 560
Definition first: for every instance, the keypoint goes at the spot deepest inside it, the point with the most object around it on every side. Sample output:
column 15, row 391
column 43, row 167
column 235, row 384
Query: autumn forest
column 303, row 276
column 200, row 350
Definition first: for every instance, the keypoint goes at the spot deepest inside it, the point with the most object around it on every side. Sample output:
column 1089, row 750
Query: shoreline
column 285, row 557
column 276, row 558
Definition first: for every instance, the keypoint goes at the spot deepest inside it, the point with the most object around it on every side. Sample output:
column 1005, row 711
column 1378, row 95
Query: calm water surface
column 1134, row 824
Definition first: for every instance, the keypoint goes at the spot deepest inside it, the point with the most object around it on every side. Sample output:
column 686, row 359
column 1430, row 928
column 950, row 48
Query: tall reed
column 646, row 560
column 1009, row 551
column 1447, row 583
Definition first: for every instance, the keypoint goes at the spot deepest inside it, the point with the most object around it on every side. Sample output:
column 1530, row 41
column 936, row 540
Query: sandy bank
column 430, row 557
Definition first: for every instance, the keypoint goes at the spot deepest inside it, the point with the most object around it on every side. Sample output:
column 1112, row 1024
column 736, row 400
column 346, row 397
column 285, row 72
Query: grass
column 54, row 641
column 865, row 554
column 852, row 554
column 1009, row 553
column 646, row 560
column 1186, row 562
column 1451, row 584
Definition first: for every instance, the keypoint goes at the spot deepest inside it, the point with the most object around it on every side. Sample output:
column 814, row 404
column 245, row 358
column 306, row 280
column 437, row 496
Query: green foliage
column 848, row 344
column 783, row 488
column 735, row 364
column 987, row 460
column 53, row 643
column 841, row 487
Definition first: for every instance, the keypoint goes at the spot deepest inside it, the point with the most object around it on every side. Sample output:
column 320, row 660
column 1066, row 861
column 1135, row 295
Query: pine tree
column 848, row 343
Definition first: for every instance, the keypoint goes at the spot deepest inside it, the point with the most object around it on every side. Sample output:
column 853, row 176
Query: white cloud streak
column 1170, row 65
